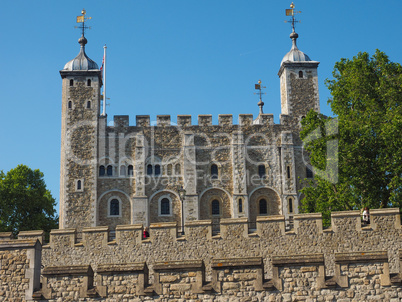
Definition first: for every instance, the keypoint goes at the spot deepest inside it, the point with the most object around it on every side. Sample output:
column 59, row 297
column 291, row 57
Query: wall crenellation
column 186, row 120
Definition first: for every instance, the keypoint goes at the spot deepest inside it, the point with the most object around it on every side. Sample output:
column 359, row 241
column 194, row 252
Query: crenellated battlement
column 224, row 120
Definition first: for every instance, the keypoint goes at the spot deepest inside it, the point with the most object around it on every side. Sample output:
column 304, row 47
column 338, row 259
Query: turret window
column 165, row 206
column 109, row 170
column 263, row 207
column 71, row 83
column 215, row 207
column 157, row 170
column 262, row 171
column 114, row 207
column 70, row 105
column 89, row 82
column 240, row 205
column 300, row 74
column 79, row 185
column 214, row 171
column 290, row 205
column 288, row 171
column 149, row 170
column 130, row 170
column 102, row 171
column 89, row 105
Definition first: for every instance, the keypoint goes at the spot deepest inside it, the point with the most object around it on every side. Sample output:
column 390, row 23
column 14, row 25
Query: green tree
column 367, row 101
column 25, row 203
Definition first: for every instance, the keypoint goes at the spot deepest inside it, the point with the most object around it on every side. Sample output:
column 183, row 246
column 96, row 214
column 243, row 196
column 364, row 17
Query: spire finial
column 82, row 19
column 292, row 12
column 259, row 87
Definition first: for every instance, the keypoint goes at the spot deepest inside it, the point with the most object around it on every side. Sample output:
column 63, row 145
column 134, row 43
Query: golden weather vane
column 292, row 12
column 259, row 87
column 82, row 19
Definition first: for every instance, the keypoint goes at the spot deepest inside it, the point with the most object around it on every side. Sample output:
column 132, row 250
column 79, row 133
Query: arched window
column 263, row 207
column 114, row 207
column 240, row 205
column 165, row 206
column 288, row 171
column 214, row 171
column 89, row 82
column 79, row 185
column 122, row 170
column 300, row 74
column 157, row 170
column 290, row 205
column 261, row 171
column 89, row 105
column 169, row 169
column 309, row 173
column 215, row 207
column 149, row 170
column 102, row 171
column 70, row 105
column 177, row 169
column 109, row 170
column 130, row 170
column 71, row 83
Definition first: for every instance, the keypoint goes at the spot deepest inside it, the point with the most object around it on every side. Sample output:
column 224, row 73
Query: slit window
column 71, row 83
column 290, row 205
column 215, row 207
column 214, row 171
column 240, row 205
column 114, row 207
column 288, row 171
column 130, row 170
column 102, row 171
column 70, row 105
column 88, row 82
column 165, row 206
column 79, row 185
column 263, row 207
column 89, row 105
column 262, row 171
column 300, row 74
column 109, row 170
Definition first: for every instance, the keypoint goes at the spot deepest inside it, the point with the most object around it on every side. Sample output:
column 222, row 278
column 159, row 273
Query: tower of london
column 134, row 173
column 221, row 202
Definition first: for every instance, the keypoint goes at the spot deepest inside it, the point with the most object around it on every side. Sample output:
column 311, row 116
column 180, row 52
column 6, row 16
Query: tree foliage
column 25, row 203
column 367, row 101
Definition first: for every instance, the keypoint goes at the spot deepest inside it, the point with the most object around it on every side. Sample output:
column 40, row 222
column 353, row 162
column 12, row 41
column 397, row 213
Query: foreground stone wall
column 347, row 262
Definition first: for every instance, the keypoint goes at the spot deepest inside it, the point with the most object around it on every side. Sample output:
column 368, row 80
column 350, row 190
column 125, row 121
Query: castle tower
column 81, row 83
column 299, row 82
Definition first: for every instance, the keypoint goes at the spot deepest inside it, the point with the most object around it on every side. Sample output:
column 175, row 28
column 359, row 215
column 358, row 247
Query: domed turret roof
column 295, row 55
column 82, row 61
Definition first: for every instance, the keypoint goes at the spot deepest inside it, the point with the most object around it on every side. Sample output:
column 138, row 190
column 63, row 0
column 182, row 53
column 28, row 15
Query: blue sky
column 169, row 57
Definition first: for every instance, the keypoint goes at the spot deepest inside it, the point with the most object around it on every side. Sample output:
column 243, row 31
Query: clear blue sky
column 169, row 57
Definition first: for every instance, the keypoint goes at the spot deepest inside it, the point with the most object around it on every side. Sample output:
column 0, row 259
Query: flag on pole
column 103, row 62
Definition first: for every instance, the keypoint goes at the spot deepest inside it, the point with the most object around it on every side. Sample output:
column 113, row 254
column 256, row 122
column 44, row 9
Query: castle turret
column 299, row 82
column 80, row 114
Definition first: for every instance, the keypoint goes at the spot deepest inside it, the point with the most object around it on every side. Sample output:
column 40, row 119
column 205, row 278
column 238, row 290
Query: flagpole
column 104, row 80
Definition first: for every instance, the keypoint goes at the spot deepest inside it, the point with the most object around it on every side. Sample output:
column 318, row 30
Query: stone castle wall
column 347, row 262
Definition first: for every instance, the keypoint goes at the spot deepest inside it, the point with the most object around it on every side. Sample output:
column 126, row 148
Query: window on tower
column 102, row 171
column 165, row 206
column 214, row 171
column 130, row 170
column 114, row 208
column 300, row 74
column 262, row 171
column 71, row 83
column 263, row 207
column 89, row 82
column 89, row 105
column 70, row 105
column 157, row 170
column 215, row 207
column 109, row 170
